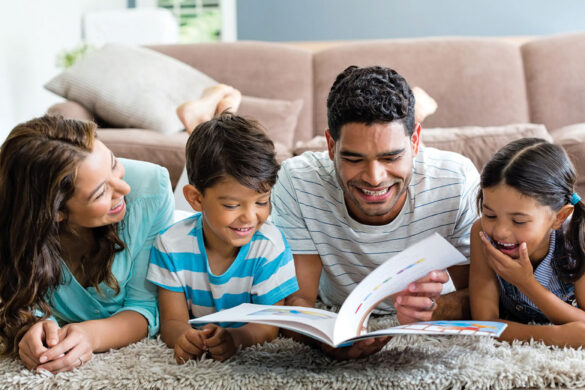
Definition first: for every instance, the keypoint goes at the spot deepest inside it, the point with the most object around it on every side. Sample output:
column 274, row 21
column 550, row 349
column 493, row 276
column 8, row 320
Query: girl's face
column 509, row 218
column 98, row 199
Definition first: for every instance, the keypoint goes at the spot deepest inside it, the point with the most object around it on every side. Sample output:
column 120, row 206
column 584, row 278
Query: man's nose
column 375, row 173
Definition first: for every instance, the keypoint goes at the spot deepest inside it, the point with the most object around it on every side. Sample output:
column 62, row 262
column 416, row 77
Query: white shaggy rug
column 407, row 362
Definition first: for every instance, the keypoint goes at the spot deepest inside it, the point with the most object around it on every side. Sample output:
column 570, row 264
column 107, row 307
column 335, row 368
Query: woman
column 78, row 225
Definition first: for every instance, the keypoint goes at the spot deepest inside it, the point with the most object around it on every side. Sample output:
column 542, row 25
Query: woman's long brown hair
column 38, row 165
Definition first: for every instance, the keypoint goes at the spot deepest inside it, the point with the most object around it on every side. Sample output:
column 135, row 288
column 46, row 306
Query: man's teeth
column 375, row 193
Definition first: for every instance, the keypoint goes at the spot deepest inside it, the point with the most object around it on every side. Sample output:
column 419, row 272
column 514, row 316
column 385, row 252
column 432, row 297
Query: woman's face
column 98, row 199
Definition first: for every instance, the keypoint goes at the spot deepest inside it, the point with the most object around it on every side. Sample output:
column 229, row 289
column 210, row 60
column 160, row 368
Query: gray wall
column 323, row 20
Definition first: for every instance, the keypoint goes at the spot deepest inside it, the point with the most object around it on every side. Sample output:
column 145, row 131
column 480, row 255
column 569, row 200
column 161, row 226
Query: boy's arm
column 174, row 315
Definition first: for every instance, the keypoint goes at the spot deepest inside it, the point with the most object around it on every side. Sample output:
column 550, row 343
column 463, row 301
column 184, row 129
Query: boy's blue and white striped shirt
column 309, row 207
column 263, row 271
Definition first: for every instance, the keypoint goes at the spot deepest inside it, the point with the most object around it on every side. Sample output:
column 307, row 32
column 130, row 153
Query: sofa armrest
column 167, row 150
column 71, row 110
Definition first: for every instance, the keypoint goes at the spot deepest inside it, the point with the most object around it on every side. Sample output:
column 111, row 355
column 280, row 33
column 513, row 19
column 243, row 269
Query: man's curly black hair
column 369, row 95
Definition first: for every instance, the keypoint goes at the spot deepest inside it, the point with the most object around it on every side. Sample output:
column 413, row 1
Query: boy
column 226, row 254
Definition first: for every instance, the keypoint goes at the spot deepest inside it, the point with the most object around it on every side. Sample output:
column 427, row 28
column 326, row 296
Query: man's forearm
column 453, row 306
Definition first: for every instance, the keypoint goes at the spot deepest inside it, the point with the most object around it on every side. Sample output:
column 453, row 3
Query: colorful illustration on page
column 294, row 312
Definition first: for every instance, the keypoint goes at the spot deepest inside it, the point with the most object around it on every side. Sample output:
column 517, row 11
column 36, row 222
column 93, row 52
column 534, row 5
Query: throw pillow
column 278, row 117
column 130, row 86
column 572, row 139
column 480, row 143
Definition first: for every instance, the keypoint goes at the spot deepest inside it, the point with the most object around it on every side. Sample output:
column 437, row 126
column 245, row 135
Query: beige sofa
column 480, row 82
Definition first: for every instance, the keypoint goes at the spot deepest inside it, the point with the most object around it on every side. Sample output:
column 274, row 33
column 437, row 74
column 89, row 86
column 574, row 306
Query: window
column 199, row 20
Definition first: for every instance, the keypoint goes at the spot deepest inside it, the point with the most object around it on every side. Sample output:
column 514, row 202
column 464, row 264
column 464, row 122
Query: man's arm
column 308, row 269
column 455, row 305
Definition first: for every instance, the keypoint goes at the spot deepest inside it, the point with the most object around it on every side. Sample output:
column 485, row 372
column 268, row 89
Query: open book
column 394, row 275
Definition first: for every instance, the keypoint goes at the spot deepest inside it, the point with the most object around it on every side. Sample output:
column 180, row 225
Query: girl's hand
column 518, row 272
column 220, row 342
column 36, row 341
column 75, row 347
column 189, row 345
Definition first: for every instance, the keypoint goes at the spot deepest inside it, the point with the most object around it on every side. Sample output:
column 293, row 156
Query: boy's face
column 231, row 213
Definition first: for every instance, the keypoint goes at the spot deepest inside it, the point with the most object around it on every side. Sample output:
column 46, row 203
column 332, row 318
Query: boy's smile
column 231, row 214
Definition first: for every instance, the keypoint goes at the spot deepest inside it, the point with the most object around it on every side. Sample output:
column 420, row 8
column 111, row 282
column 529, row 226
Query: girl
column 527, row 258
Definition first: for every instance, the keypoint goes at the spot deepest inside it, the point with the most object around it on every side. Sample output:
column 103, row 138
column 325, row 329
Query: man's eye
column 352, row 161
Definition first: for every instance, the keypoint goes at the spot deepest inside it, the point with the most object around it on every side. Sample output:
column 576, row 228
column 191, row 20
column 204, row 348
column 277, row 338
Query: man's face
column 373, row 165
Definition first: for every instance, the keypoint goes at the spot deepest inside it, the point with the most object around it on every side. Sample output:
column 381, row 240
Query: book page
column 313, row 322
column 441, row 328
column 394, row 275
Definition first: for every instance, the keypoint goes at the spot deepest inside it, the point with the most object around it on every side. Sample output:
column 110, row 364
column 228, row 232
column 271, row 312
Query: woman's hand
column 75, row 347
column 518, row 272
column 36, row 341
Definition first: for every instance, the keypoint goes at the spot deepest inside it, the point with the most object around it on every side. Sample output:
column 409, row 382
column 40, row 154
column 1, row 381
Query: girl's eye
column 519, row 222
column 262, row 204
column 100, row 194
column 489, row 216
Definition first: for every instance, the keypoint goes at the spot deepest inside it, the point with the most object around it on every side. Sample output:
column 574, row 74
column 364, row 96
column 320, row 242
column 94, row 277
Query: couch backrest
column 259, row 69
column 475, row 81
column 555, row 79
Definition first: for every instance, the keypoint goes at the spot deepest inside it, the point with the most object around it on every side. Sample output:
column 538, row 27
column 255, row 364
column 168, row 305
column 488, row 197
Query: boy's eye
column 489, row 216
column 519, row 222
column 230, row 206
column 265, row 203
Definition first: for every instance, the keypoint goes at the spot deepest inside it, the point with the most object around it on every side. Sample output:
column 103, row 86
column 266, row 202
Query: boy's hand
column 189, row 345
column 220, row 342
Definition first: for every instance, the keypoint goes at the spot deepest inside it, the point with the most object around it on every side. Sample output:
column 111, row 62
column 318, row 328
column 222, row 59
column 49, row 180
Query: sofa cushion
column 480, row 143
column 572, row 139
column 476, row 143
column 278, row 117
column 475, row 81
column 129, row 86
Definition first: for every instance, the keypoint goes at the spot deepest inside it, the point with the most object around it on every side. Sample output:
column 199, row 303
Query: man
column 371, row 195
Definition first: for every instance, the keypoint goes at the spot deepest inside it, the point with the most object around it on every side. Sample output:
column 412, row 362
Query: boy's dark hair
column 542, row 171
column 229, row 145
column 369, row 95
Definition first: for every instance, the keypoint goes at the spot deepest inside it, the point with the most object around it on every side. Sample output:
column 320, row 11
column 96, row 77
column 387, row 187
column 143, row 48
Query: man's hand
column 418, row 301
column 359, row 349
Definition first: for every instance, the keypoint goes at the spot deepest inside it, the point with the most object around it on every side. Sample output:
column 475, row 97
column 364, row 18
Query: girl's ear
column 60, row 216
column 193, row 196
column 562, row 215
